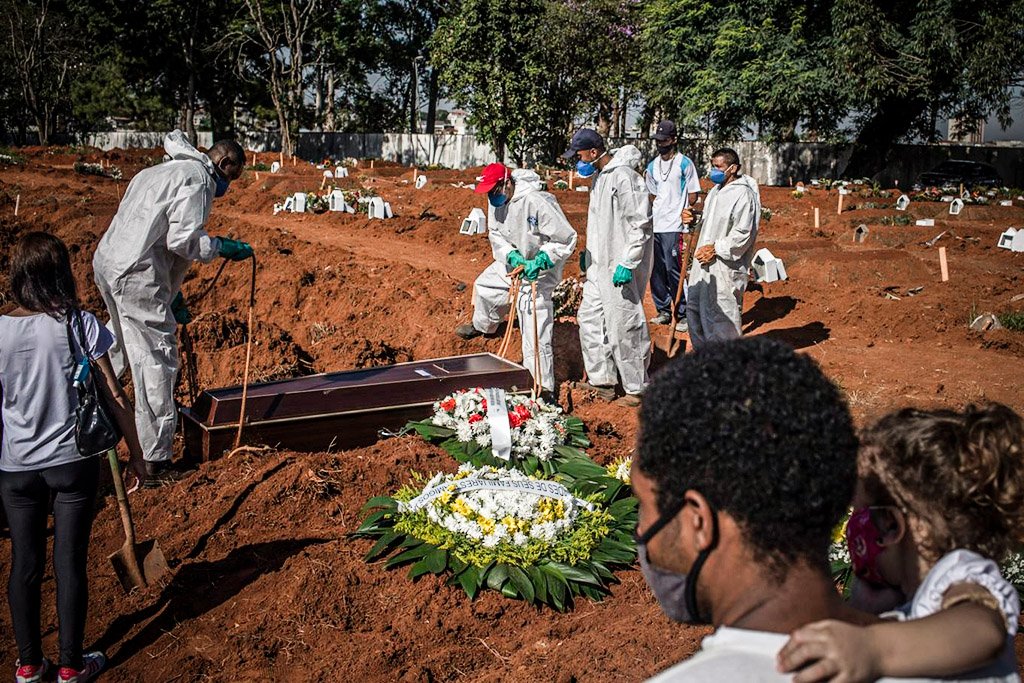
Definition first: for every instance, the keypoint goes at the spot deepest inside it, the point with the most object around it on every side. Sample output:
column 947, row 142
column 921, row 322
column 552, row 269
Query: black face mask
column 676, row 593
column 665, row 149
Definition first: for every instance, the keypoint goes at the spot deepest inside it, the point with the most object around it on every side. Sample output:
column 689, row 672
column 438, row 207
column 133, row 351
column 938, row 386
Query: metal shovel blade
column 139, row 565
column 136, row 564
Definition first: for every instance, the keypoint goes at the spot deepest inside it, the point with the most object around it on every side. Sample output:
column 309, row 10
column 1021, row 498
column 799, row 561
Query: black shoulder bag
column 96, row 431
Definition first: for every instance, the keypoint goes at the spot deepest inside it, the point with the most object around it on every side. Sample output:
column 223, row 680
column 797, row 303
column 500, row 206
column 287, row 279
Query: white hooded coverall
column 714, row 304
column 140, row 264
column 613, row 328
column 531, row 221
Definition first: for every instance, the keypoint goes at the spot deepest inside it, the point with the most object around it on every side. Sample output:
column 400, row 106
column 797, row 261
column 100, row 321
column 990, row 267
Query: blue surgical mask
column 497, row 200
column 585, row 169
column 717, row 176
column 222, row 184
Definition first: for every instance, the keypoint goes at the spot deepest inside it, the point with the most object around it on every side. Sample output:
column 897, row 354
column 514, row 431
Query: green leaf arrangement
column 578, row 560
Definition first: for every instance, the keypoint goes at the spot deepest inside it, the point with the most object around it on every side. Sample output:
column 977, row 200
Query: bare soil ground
column 267, row 586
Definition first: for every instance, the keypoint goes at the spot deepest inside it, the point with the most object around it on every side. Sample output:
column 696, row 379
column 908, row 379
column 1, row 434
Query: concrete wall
column 769, row 164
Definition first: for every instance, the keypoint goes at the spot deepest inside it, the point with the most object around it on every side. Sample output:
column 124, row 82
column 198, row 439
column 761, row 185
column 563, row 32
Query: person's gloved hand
column 535, row 266
column 236, row 250
column 622, row 276
column 515, row 259
column 180, row 310
column 583, row 262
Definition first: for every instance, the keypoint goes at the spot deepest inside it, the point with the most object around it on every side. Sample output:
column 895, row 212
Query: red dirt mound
column 265, row 582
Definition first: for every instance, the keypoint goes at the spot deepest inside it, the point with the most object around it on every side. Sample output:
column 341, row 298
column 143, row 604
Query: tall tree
column 280, row 34
column 905, row 63
column 727, row 69
column 43, row 54
column 489, row 57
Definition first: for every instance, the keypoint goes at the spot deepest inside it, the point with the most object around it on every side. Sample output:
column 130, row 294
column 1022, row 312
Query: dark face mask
column 666, row 149
column 221, row 183
column 676, row 593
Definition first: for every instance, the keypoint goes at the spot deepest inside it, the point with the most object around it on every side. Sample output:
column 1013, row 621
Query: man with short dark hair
column 617, row 263
column 718, row 276
column 746, row 461
column 139, row 267
column 672, row 181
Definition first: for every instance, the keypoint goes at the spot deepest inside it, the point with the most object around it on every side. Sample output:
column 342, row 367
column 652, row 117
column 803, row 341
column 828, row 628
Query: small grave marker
column 475, row 223
column 768, row 267
column 943, row 266
column 955, row 207
column 902, row 203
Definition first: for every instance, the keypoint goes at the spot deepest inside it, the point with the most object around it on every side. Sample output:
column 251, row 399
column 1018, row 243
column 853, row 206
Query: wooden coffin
column 339, row 410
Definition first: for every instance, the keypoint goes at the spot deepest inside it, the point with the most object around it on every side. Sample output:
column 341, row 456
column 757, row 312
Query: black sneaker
column 160, row 473
column 467, row 331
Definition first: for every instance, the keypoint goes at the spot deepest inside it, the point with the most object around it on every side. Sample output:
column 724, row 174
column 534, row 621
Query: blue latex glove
column 583, row 262
column 515, row 259
column 180, row 310
column 535, row 266
column 235, row 250
column 622, row 276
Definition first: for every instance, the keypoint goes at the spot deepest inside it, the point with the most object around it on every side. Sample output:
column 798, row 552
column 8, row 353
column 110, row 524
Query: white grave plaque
column 902, row 203
column 275, row 167
column 475, row 223
column 767, row 267
column 925, row 222
column 955, row 207
column 421, row 181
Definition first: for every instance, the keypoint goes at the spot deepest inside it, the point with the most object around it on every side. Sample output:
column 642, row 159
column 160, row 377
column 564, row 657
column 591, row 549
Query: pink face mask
column 865, row 543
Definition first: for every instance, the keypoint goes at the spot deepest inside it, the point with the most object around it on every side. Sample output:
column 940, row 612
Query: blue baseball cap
column 585, row 138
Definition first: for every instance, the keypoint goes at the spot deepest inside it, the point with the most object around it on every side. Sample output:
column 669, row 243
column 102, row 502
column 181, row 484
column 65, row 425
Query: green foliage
column 579, row 564
column 725, row 69
column 489, row 59
column 1012, row 321
column 898, row 219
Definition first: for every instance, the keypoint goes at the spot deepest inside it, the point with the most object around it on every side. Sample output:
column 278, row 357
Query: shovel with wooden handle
column 131, row 572
column 673, row 344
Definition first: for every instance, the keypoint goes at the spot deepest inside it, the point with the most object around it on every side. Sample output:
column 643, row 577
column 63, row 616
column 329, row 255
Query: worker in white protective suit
column 140, row 264
column 718, row 276
column 527, row 228
column 617, row 263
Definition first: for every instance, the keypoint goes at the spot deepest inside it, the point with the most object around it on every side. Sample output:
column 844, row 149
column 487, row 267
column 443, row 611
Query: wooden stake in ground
column 570, row 178
column 371, row 163
column 817, row 218
column 281, row 160
column 415, row 173
column 17, row 205
column 257, row 176
column 840, row 209
column 943, row 266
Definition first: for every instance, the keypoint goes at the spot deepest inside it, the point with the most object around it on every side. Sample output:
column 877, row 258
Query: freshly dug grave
column 266, row 584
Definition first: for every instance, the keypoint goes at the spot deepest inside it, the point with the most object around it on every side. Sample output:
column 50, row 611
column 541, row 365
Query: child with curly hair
column 940, row 498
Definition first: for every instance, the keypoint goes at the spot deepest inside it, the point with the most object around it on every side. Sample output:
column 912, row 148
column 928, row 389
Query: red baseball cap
column 492, row 175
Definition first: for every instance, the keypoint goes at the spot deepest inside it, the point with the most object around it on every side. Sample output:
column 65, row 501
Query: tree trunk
column 432, row 95
column 190, row 108
column 414, row 77
column 874, row 144
column 329, row 121
column 604, row 111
